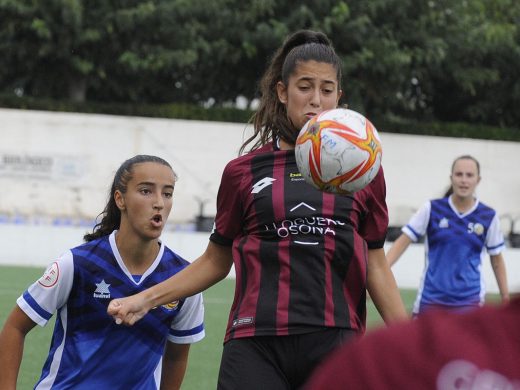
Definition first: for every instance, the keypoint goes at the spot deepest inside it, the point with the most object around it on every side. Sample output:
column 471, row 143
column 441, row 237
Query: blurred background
column 424, row 60
column 86, row 84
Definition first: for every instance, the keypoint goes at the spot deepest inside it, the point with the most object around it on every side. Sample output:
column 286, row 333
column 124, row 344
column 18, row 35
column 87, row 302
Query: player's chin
column 304, row 120
column 153, row 233
column 463, row 192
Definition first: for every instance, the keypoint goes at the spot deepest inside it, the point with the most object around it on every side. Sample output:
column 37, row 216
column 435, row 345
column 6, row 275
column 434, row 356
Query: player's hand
column 127, row 311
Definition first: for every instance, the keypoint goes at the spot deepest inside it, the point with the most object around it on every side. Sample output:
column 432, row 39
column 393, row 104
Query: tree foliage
column 451, row 60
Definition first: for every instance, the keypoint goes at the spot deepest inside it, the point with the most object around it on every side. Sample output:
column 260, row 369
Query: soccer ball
column 338, row 151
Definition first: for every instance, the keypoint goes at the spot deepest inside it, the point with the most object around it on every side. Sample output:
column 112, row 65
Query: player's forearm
column 385, row 295
column 499, row 269
column 193, row 279
column 173, row 377
column 397, row 249
column 11, row 351
column 175, row 361
column 383, row 289
column 208, row 269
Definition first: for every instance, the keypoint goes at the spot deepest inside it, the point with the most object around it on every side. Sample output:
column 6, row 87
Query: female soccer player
column 303, row 258
column 459, row 229
column 123, row 255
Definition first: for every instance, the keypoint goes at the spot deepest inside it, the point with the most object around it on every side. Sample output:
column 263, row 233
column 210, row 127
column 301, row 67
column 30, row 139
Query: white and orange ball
column 338, row 151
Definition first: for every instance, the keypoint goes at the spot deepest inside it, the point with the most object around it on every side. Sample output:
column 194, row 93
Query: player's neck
column 463, row 203
column 137, row 255
column 285, row 145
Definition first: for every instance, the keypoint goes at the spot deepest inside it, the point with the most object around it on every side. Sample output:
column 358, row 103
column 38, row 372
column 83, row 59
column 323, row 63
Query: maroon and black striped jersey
column 300, row 254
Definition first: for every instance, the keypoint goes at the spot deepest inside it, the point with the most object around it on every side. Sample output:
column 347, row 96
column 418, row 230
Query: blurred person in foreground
column 441, row 350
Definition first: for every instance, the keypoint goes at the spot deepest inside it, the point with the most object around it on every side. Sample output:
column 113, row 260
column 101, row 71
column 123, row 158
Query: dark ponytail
column 111, row 215
column 271, row 119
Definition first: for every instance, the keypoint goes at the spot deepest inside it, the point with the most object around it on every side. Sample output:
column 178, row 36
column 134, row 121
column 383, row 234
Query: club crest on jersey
column 102, row 290
column 51, row 275
column 170, row 306
column 476, row 228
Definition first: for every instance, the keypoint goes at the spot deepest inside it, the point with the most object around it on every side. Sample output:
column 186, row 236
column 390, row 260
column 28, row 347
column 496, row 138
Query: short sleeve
column 375, row 224
column 188, row 325
column 49, row 293
column 416, row 227
column 229, row 205
column 495, row 239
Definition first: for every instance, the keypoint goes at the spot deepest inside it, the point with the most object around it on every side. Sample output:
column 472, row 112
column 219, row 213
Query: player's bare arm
column 499, row 269
column 211, row 267
column 397, row 249
column 382, row 287
column 175, row 361
column 12, row 339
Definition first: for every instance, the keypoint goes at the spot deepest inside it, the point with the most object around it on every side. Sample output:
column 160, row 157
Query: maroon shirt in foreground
column 478, row 350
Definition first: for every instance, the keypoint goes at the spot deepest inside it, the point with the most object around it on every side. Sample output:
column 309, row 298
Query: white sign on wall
column 15, row 165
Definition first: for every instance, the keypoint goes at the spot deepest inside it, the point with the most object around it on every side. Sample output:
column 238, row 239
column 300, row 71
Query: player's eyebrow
column 149, row 183
column 309, row 78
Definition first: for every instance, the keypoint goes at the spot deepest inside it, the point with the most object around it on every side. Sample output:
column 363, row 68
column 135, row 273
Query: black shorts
column 276, row 362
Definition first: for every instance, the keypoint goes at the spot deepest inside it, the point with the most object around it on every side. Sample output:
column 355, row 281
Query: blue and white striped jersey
column 455, row 246
column 88, row 350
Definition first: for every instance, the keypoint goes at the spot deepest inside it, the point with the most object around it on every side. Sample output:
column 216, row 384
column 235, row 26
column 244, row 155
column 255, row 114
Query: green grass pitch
column 204, row 356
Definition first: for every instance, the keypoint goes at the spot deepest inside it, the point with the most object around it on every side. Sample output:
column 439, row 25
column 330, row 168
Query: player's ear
column 281, row 90
column 120, row 200
column 340, row 94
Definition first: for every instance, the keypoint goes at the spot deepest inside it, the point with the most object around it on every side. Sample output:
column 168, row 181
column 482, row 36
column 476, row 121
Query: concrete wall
column 31, row 245
column 60, row 165
column 55, row 167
